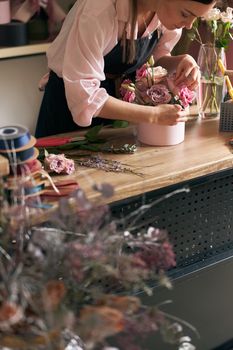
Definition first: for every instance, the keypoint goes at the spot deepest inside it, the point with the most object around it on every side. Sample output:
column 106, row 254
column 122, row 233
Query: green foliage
column 221, row 32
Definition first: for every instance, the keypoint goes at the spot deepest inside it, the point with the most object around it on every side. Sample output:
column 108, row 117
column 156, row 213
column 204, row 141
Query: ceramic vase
column 161, row 135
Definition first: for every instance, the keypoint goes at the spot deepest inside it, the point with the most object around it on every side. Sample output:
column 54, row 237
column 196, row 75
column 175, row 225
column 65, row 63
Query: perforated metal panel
column 199, row 223
column 226, row 117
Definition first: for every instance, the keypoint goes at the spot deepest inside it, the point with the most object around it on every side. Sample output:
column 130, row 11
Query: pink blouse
column 90, row 31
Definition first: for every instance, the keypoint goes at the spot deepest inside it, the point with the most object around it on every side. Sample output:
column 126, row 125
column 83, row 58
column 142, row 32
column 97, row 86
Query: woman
column 104, row 40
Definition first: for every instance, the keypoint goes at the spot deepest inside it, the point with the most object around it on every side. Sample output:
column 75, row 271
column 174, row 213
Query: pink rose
column 58, row 163
column 150, row 75
column 55, row 163
column 186, row 96
column 159, row 94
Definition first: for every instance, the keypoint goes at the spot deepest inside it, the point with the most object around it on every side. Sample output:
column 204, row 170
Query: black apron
column 55, row 117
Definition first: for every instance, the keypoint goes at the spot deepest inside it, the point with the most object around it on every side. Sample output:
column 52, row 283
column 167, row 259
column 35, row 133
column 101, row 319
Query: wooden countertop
column 204, row 151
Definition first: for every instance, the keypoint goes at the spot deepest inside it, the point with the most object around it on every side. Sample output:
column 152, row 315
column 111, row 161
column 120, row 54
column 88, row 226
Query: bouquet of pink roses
column 153, row 86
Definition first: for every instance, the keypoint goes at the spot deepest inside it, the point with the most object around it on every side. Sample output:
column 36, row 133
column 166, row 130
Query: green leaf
column 120, row 124
column 93, row 134
column 90, row 147
column 72, row 145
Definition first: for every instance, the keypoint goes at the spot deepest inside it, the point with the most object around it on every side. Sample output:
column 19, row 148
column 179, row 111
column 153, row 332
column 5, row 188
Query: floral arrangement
column 69, row 276
column 153, row 86
column 219, row 25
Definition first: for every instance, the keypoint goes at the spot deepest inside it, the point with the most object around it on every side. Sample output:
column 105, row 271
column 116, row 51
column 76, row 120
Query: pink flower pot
column 161, row 135
column 5, row 16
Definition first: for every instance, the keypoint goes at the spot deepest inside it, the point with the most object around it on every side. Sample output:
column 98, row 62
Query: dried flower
column 10, row 314
column 53, row 294
column 61, row 279
column 98, row 322
column 59, row 164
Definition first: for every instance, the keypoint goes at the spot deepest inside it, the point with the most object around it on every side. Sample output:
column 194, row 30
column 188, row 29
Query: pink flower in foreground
column 159, row 94
column 58, row 163
column 186, row 96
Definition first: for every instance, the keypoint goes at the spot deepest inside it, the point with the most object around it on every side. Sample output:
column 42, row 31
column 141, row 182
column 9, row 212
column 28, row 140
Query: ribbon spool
column 14, row 137
column 29, row 168
column 13, row 34
column 22, row 156
column 16, row 144
column 28, row 191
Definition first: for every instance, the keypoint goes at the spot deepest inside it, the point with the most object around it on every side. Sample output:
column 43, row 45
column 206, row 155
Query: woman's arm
column 164, row 114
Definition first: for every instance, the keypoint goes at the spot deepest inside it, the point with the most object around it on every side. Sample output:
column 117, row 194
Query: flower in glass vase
column 211, row 91
column 152, row 87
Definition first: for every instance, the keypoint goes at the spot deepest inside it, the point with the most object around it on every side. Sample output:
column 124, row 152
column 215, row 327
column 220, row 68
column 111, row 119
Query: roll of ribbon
column 28, row 168
column 13, row 137
column 13, row 34
column 23, row 156
column 27, row 191
column 34, row 189
column 5, row 15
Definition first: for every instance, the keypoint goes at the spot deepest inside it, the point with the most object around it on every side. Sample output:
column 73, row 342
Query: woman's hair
column 129, row 49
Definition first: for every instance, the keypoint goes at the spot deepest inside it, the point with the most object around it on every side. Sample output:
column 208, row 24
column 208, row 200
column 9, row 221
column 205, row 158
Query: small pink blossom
column 186, row 96
column 159, row 94
column 58, row 163
column 129, row 96
column 126, row 85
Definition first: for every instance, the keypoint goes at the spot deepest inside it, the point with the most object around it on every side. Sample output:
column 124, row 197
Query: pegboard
column 199, row 223
column 226, row 117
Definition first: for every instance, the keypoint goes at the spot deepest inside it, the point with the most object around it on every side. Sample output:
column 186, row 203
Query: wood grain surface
column 204, row 151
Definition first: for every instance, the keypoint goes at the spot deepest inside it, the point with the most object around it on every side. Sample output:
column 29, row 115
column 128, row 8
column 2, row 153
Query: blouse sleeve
column 83, row 65
column 168, row 40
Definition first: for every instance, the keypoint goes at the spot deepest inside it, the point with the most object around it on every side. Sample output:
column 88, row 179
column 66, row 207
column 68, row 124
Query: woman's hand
column 166, row 114
column 187, row 72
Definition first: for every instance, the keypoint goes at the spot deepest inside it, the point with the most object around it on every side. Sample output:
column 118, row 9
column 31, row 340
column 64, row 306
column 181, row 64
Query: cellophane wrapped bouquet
column 154, row 86
column 69, row 276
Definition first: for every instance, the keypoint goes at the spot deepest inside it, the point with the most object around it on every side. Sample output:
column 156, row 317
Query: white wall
column 19, row 95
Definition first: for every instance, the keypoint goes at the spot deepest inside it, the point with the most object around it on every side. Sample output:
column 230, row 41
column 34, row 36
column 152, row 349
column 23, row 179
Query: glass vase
column 211, row 88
